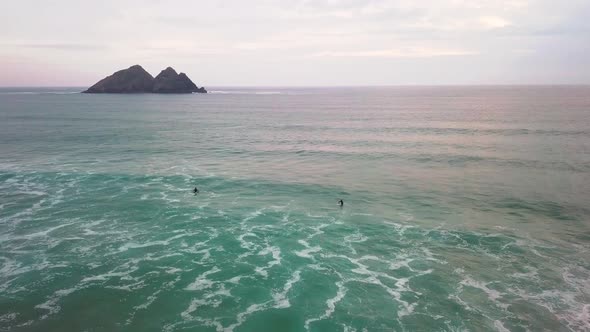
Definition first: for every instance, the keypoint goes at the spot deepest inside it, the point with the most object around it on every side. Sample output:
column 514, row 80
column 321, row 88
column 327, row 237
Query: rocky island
column 135, row 79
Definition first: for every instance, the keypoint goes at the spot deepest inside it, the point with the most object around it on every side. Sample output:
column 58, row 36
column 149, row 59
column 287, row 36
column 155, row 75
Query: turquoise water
column 466, row 209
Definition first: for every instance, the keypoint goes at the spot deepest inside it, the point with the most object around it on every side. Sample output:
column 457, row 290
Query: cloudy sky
column 298, row 42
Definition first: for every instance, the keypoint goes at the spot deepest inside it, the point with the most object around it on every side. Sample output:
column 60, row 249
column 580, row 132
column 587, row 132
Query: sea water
column 465, row 209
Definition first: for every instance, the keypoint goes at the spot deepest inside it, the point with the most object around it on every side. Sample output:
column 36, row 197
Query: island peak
column 135, row 79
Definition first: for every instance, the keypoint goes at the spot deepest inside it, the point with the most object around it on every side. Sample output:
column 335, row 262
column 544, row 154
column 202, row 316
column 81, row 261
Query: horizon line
column 333, row 86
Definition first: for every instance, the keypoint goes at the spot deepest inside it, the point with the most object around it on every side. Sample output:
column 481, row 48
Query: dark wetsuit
column 341, row 202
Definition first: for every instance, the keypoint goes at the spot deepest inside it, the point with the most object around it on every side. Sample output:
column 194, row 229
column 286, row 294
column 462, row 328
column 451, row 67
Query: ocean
column 465, row 209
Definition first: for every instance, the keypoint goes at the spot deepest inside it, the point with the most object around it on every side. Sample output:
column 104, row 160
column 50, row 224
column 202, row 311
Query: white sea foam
column 151, row 298
column 153, row 257
column 193, row 306
column 173, row 270
column 241, row 317
column 51, row 304
column 569, row 306
column 346, row 328
column 400, row 263
column 578, row 318
column 532, row 274
column 281, row 299
column 373, row 277
column 105, row 276
column 500, row 327
column 235, row 280
column 306, row 253
column 330, row 304
column 133, row 245
column 132, row 287
column 220, row 291
column 5, row 318
column 491, row 293
column 356, row 237
column 188, row 317
column 206, row 254
column 567, row 302
column 254, row 214
column 276, row 255
column 42, row 233
column 202, row 282
column 318, row 230
column 400, row 228
column 245, row 244
column 430, row 256
column 88, row 227
column 26, row 212
column 285, row 218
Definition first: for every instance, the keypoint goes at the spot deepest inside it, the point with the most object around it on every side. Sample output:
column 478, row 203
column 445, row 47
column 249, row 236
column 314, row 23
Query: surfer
column 341, row 203
column 195, row 191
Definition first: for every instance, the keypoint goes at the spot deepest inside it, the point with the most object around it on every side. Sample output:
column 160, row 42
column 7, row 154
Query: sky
column 298, row 42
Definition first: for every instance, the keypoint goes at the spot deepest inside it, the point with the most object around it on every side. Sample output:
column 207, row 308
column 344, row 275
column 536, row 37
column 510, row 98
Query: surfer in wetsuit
column 341, row 203
column 195, row 191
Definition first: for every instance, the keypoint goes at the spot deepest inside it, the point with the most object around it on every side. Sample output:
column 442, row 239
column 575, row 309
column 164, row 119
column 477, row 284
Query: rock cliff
column 131, row 80
column 136, row 80
column 168, row 81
